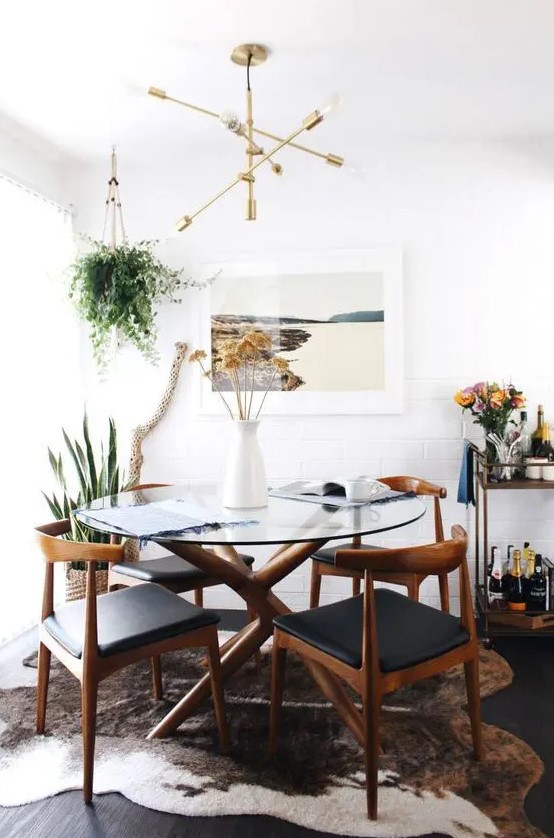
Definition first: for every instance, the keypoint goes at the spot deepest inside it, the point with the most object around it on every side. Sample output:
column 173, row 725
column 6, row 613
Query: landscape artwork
column 330, row 327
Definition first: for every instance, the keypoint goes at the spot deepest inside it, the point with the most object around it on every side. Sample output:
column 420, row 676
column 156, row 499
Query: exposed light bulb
column 331, row 105
column 356, row 171
column 230, row 121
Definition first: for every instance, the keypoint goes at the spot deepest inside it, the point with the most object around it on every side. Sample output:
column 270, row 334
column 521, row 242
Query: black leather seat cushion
column 327, row 554
column 127, row 619
column 408, row 632
column 167, row 569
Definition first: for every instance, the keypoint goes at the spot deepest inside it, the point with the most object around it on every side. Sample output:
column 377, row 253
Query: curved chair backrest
column 403, row 483
column 423, row 559
column 55, row 549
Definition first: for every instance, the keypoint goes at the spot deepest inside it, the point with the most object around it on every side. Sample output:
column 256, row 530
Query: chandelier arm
column 310, row 122
column 332, row 159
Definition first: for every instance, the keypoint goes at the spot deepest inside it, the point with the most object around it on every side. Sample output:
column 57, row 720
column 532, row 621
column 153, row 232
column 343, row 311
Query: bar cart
column 488, row 477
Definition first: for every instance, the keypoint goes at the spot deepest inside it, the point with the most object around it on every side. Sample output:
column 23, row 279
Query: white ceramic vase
column 245, row 483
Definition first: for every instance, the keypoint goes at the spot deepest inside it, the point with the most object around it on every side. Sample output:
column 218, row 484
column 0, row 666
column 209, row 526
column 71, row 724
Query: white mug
column 357, row 490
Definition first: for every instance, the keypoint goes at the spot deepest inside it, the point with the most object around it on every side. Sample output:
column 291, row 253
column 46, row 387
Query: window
column 40, row 385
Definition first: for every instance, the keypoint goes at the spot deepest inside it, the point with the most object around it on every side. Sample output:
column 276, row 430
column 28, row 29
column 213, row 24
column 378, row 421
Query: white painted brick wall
column 475, row 224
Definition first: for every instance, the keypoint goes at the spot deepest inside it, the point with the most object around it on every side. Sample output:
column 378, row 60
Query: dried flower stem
column 266, row 392
column 210, row 378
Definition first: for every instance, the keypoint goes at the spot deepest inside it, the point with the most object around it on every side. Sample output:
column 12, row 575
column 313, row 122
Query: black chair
column 323, row 561
column 381, row 640
column 171, row 572
column 97, row 636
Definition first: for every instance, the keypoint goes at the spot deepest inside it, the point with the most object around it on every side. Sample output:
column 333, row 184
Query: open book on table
column 347, row 492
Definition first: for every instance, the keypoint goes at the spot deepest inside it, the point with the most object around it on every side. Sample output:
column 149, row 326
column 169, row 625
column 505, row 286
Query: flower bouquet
column 491, row 406
column 242, row 367
column 248, row 364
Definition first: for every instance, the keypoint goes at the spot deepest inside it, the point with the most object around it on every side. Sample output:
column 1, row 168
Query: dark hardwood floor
column 524, row 708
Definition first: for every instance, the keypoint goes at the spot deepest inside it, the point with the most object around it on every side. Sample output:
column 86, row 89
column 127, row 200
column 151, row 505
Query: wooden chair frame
column 411, row 581
column 369, row 681
column 91, row 668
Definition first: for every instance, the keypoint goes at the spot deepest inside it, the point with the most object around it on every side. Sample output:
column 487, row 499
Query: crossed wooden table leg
column 255, row 589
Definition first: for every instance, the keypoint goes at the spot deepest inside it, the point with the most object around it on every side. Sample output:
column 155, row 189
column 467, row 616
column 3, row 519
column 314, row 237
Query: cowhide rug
column 428, row 782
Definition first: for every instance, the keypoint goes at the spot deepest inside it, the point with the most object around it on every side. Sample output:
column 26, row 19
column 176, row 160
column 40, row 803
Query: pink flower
column 478, row 407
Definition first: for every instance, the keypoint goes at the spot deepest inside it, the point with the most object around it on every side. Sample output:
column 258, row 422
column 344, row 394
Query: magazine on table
column 341, row 492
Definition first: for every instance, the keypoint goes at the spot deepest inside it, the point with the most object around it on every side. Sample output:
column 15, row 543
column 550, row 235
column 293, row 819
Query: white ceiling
column 77, row 73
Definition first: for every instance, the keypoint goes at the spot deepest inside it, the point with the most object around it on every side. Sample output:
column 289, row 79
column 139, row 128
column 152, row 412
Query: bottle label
column 517, row 606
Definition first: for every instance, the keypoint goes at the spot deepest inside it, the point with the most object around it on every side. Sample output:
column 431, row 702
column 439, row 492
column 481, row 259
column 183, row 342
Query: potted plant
column 81, row 477
column 117, row 289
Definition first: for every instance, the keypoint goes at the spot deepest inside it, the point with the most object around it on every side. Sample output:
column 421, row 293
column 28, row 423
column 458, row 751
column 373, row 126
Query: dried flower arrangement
column 242, row 361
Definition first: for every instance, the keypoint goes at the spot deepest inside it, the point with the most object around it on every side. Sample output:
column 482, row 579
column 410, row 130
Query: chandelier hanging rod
column 331, row 159
column 310, row 122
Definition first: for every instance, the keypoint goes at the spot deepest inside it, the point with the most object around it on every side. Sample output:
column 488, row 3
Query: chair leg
column 214, row 663
column 315, row 585
column 445, row 597
column 89, row 695
column 413, row 588
column 44, row 657
column 199, row 597
column 356, row 586
column 474, row 704
column 371, row 714
column 157, row 686
column 278, row 663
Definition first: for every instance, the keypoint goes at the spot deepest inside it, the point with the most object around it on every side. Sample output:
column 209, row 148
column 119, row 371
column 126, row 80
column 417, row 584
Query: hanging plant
column 119, row 288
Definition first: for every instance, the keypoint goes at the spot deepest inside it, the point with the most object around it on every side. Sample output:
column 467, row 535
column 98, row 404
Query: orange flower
column 497, row 399
column 464, row 398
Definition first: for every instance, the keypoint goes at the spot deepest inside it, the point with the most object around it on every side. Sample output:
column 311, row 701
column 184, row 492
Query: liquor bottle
column 536, row 436
column 536, row 587
column 515, row 594
column 494, row 550
column 524, row 435
column 530, row 564
column 524, row 556
column 506, row 568
column 495, row 593
column 545, row 448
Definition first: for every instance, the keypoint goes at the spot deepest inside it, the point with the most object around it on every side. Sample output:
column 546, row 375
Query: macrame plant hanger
column 113, row 216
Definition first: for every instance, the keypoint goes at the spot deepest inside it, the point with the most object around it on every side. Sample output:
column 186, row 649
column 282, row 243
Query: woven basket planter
column 76, row 583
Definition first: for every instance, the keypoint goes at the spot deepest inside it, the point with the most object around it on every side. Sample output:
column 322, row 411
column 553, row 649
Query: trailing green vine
column 120, row 288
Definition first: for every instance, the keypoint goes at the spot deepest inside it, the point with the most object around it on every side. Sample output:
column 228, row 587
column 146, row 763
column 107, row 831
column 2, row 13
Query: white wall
column 475, row 223
column 31, row 160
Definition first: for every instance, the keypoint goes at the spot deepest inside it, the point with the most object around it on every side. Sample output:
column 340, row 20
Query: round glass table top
column 282, row 521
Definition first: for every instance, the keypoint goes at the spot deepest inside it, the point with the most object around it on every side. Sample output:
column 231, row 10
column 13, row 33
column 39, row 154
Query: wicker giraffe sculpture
column 140, row 433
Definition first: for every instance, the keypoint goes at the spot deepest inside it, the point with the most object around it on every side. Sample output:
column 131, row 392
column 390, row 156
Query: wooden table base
column 255, row 590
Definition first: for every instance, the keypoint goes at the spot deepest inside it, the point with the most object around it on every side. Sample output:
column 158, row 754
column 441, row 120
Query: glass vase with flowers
column 244, row 371
column 492, row 406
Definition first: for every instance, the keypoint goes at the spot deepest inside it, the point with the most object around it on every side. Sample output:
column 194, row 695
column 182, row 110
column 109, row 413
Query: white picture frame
column 385, row 261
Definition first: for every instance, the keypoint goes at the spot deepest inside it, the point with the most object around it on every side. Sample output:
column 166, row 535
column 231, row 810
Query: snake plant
column 83, row 476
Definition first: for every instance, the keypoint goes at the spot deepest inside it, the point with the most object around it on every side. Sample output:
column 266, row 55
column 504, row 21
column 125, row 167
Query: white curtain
column 40, row 385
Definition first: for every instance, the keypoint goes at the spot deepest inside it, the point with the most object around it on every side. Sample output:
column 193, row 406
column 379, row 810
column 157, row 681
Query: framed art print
column 336, row 317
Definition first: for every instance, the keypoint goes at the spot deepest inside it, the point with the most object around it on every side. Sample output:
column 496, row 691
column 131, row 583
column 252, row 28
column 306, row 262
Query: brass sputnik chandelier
column 250, row 55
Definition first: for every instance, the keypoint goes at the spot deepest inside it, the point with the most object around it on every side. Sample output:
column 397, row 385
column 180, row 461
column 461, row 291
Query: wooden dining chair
column 97, row 636
column 381, row 640
column 171, row 572
column 323, row 561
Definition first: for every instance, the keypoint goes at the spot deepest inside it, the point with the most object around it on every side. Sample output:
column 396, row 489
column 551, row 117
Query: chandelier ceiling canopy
column 251, row 55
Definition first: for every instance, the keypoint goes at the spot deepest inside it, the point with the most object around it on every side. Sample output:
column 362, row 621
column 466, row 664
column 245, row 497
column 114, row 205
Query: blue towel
column 466, row 486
